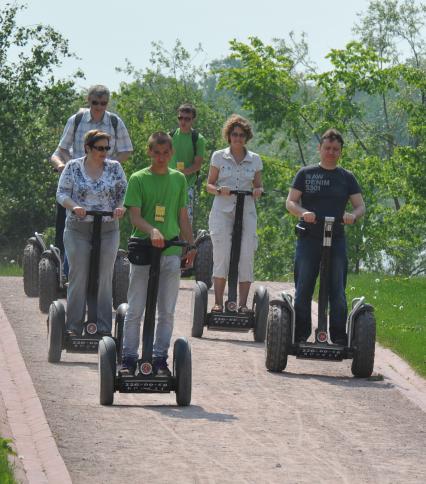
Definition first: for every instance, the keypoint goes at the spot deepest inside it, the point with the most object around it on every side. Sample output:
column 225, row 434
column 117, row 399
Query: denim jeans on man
column 166, row 302
column 306, row 269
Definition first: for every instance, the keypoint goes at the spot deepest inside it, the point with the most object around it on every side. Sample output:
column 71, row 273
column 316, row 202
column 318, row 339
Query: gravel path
column 313, row 423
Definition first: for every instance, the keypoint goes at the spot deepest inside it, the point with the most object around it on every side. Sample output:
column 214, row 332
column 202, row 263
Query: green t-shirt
column 184, row 152
column 160, row 197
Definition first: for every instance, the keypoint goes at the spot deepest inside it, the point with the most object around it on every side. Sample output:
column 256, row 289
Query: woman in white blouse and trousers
column 92, row 182
column 233, row 168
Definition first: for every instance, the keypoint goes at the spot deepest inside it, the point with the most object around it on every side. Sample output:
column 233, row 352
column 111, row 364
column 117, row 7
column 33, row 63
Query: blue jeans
column 78, row 245
column 306, row 269
column 166, row 302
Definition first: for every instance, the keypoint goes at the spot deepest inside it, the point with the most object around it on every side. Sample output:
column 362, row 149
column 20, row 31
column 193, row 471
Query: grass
column 400, row 310
column 6, row 474
column 10, row 269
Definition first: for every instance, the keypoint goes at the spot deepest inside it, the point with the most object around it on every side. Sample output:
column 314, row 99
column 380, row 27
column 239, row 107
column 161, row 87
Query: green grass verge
column 11, row 269
column 6, row 474
column 400, row 310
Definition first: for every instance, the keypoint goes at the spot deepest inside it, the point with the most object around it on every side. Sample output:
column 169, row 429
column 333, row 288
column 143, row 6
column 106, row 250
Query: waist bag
column 139, row 251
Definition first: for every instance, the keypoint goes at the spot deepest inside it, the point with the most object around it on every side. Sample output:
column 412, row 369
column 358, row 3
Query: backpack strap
column 77, row 120
column 79, row 117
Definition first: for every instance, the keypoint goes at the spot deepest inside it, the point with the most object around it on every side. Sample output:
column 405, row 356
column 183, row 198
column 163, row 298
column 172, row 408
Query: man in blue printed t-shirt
column 320, row 191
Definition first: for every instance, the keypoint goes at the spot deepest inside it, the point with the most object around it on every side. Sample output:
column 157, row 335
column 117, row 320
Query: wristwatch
column 219, row 190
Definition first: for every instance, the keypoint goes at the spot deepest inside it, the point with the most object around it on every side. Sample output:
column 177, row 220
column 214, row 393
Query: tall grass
column 6, row 474
column 400, row 310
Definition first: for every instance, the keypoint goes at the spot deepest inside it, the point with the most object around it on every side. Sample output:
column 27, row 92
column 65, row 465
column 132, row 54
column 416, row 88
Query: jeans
column 78, row 244
column 306, row 269
column 166, row 302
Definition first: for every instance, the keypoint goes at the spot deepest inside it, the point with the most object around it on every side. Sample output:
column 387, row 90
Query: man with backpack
column 71, row 144
column 188, row 147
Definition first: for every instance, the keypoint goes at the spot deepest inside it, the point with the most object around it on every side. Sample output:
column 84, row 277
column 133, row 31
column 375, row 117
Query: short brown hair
column 94, row 135
column 159, row 138
column 98, row 90
column 188, row 108
column 332, row 135
column 234, row 121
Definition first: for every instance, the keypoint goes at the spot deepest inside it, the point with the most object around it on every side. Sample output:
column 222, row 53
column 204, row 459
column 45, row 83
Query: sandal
column 217, row 308
column 243, row 309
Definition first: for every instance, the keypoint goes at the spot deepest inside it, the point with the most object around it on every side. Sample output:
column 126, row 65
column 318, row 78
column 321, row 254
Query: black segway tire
column 120, row 279
column 48, row 283
column 278, row 338
column 30, row 261
column 363, row 344
column 182, row 369
column 203, row 264
column 119, row 327
column 55, row 331
column 199, row 308
column 261, row 310
column 107, row 369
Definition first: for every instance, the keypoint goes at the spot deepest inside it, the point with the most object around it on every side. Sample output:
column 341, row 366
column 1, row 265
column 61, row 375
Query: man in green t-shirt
column 188, row 147
column 156, row 199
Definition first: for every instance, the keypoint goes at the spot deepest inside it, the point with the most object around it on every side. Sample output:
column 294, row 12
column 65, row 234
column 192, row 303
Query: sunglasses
column 101, row 148
column 238, row 135
column 184, row 118
column 96, row 103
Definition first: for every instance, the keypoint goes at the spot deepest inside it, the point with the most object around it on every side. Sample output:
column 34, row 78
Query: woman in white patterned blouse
column 92, row 182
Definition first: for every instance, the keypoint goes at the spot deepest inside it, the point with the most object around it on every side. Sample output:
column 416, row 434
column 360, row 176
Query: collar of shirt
column 227, row 154
column 88, row 117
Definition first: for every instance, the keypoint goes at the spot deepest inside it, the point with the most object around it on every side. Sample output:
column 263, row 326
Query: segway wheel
column 30, row 261
column 107, row 369
column 363, row 344
column 203, row 263
column 120, row 279
column 278, row 338
column 199, row 308
column 261, row 310
column 48, row 283
column 182, row 369
column 55, row 331
column 119, row 327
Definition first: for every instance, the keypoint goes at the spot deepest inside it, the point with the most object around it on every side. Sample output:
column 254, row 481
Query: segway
column 144, row 380
column 33, row 249
column 57, row 338
column 360, row 326
column 231, row 319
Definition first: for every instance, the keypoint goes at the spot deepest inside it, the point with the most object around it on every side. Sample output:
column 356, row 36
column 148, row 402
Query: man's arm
column 140, row 223
column 358, row 207
column 196, row 166
column 122, row 156
column 295, row 208
column 59, row 158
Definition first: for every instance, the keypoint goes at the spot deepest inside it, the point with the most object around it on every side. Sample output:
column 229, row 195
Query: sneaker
column 128, row 366
column 160, row 367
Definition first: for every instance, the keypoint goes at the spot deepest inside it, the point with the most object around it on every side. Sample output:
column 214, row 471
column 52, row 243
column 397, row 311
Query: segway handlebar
column 243, row 192
column 322, row 219
column 100, row 213
column 140, row 242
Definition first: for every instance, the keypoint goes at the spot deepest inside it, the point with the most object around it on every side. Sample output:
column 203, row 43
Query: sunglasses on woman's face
column 101, row 148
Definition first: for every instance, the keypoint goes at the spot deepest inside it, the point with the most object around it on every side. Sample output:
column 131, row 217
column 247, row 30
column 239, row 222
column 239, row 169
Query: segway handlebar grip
column 141, row 242
column 244, row 192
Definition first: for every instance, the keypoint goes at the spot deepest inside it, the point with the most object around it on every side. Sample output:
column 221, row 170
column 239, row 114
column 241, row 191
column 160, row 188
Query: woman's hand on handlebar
column 225, row 191
column 119, row 212
column 157, row 238
column 79, row 211
column 309, row 217
column 349, row 218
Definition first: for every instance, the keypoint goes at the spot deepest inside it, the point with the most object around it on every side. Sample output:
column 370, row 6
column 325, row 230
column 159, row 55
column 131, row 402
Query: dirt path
column 314, row 423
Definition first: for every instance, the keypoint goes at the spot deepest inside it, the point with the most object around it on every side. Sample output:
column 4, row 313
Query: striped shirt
column 75, row 144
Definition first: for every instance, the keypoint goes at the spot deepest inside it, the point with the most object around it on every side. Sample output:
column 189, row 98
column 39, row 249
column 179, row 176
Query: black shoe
column 160, row 367
column 128, row 366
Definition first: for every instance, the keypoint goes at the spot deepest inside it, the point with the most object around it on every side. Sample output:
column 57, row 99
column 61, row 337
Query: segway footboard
column 83, row 344
column 320, row 351
column 241, row 322
column 145, row 384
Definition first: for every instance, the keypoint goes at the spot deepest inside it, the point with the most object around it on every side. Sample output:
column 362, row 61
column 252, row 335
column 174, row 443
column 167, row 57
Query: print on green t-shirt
column 183, row 152
column 165, row 195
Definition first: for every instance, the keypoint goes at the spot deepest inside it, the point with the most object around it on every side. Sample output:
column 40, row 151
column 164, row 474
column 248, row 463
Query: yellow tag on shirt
column 160, row 213
column 180, row 165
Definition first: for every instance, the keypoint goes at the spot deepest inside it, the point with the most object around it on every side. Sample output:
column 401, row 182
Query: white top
column 236, row 176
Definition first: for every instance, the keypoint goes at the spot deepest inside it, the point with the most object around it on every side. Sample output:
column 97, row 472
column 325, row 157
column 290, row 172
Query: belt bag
column 139, row 251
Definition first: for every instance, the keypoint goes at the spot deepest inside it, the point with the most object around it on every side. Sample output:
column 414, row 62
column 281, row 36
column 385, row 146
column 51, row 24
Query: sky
column 104, row 33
